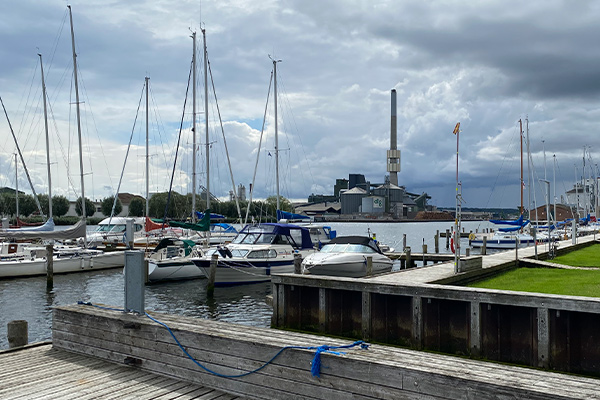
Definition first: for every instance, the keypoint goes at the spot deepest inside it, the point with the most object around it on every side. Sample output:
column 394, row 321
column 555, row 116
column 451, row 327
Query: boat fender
column 452, row 244
column 471, row 236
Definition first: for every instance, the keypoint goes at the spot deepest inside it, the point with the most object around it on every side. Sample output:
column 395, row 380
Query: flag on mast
column 456, row 128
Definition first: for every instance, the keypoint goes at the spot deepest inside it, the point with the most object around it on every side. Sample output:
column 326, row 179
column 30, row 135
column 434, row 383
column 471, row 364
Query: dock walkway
column 44, row 372
column 439, row 272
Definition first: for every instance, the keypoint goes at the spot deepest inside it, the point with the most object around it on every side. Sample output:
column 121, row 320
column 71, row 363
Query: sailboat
column 258, row 251
column 66, row 258
column 510, row 232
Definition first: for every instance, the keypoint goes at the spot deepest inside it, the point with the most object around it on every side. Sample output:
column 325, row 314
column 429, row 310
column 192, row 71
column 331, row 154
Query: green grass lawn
column 586, row 257
column 573, row 282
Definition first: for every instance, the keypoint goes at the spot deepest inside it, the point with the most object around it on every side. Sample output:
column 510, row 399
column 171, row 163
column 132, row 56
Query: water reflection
column 29, row 299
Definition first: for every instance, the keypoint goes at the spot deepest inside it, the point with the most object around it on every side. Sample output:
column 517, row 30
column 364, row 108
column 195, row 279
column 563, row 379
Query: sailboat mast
column 47, row 141
column 17, row 188
column 147, row 156
column 206, row 120
column 276, row 133
column 554, row 184
column 529, row 178
column 194, row 128
column 83, row 211
column 522, row 182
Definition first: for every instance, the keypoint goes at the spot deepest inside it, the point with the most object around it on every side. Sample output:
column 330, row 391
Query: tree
column 27, row 205
column 107, row 205
column 43, row 199
column 60, row 205
column 90, row 209
column 137, row 207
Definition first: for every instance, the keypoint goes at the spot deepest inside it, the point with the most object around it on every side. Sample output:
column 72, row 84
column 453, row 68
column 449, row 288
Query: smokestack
column 394, row 129
column 393, row 154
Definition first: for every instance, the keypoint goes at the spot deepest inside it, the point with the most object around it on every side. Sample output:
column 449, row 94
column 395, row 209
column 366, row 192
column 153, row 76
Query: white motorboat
column 347, row 256
column 171, row 260
column 256, row 253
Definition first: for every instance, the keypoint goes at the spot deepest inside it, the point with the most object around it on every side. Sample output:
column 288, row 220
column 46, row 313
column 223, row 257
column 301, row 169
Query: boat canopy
column 74, row 232
column 288, row 215
column 362, row 240
column 47, row 226
column 518, row 222
column 223, row 228
column 252, row 234
column 200, row 215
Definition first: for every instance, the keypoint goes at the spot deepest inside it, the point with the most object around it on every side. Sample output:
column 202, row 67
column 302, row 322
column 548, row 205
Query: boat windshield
column 111, row 228
column 346, row 248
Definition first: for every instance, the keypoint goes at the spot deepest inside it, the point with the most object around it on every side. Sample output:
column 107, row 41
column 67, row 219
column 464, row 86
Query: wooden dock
column 43, row 372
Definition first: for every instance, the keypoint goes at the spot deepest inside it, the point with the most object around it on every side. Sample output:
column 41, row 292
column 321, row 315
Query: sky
column 487, row 65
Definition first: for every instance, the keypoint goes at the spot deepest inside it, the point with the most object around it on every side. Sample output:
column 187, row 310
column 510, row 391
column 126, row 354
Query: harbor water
column 29, row 299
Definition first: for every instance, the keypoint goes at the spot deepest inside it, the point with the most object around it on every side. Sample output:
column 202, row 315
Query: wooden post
column 210, row 287
column 436, row 241
column 17, row 333
column 297, row 263
column 467, row 252
column 424, row 252
column 49, row 266
column 447, row 239
column 369, row 266
column 403, row 241
column 484, row 246
column 408, row 258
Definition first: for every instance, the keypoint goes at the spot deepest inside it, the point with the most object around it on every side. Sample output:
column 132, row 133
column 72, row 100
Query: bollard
column 369, row 265
column 297, row 263
column 49, row 266
column 17, row 333
column 447, row 239
column 210, row 287
column 135, row 279
column 484, row 246
column 436, row 241
column 408, row 258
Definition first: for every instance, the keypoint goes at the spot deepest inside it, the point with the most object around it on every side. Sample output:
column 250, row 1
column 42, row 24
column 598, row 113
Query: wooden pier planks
column 379, row 372
column 41, row 372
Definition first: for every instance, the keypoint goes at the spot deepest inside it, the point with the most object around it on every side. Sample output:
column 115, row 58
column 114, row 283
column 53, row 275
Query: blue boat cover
column 288, row 215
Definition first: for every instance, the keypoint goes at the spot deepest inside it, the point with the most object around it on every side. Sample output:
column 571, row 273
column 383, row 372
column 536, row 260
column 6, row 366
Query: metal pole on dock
column 447, row 239
column 135, row 279
column 534, row 232
column 369, row 266
column 49, row 266
column 297, row 263
column 210, row 288
column 436, row 241
column 17, row 333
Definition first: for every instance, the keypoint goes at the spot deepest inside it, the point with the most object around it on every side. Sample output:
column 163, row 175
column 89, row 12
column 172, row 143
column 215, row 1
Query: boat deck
column 43, row 372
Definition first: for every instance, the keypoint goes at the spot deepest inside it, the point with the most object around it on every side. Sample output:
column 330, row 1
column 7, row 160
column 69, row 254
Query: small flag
column 456, row 128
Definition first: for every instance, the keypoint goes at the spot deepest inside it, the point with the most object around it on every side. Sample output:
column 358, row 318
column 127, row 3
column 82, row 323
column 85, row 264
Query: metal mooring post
column 129, row 232
column 135, row 277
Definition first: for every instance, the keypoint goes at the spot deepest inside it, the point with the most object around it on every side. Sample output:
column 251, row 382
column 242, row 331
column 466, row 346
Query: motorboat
column 347, row 256
column 171, row 260
column 257, row 252
column 112, row 230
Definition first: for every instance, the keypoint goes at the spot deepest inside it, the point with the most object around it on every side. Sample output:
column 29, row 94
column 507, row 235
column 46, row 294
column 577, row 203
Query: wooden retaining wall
column 379, row 372
column 546, row 331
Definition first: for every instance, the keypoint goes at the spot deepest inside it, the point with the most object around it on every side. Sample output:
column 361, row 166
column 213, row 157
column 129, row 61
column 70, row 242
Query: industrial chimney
column 393, row 154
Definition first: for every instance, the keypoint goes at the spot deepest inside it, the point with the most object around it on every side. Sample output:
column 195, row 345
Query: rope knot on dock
column 316, row 362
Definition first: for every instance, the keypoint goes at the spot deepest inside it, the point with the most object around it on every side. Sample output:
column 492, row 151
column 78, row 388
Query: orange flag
column 456, row 128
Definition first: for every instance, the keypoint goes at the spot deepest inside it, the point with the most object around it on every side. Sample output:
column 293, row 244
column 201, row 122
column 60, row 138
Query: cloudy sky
column 485, row 64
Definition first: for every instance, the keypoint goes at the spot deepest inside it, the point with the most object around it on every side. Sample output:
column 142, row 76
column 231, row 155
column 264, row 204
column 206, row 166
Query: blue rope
column 315, row 365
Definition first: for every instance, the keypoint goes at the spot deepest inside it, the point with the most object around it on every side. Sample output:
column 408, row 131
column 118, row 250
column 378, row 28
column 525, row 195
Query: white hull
column 345, row 265
column 10, row 269
column 177, row 268
column 237, row 275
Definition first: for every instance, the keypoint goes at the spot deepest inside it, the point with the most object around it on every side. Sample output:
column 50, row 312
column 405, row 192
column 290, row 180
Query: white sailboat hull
column 177, row 268
column 80, row 263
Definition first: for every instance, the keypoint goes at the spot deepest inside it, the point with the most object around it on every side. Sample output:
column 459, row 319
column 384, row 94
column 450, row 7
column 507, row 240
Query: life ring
column 471, row 236
column 452, row 244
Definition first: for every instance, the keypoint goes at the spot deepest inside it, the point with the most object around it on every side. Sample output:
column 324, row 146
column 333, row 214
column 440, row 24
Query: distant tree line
column 180, row 206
